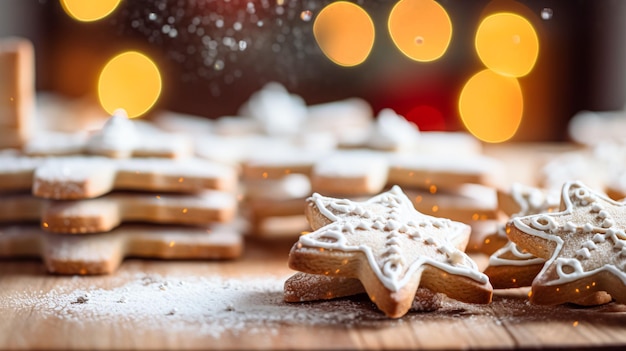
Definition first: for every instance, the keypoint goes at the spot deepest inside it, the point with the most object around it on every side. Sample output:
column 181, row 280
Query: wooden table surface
column 41, row 311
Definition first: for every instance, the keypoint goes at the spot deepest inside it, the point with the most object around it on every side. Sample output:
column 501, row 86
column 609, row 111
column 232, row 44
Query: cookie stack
column 132, row 191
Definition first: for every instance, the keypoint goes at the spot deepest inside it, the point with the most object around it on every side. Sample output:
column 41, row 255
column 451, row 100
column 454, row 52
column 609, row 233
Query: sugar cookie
column 350, row 173
column 391, row 248
column 103, row 253
column 302, row 287
column 584, row 245
column 423, row 171
column 76, row 177
column 17, row 91
column 107, row 212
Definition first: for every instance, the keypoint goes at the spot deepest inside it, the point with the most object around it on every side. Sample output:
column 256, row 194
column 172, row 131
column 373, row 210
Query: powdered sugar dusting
column 208, row 306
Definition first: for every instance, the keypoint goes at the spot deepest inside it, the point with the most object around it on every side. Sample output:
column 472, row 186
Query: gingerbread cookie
column 302, row 287
column 391, row 248
column 463, row 203
column 350, row 173
column 103, row 253
column 424, row 171
column 118, row 137
column 349, row 120
column 275, row 199
column 519, row 200
column 107, row 212
column 275, row 158
column 78, row 177
column 277, row 111
column 17, row 91
column 584, row 245
column 392, row 132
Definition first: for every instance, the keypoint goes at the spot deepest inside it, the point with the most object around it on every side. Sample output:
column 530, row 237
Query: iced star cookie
column 391, row 248
column 584, row 245
column 302, row 287
column 518, row 200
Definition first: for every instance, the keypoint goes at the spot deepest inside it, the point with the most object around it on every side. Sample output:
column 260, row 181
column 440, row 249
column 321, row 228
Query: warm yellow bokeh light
column 421, row 29
column 89, row 10
column 344, row 32
column 491, row 106
column 130, row 81
column 508, row 44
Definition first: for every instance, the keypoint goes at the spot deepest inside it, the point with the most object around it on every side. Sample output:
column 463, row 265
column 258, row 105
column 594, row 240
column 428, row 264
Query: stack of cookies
column 127, row 189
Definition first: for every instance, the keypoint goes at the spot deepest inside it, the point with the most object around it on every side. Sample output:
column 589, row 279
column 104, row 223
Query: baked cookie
column 423, row 171
column 107, row 212
column 17, row 91
column 79, row 177
column 350, row 173
column 518, row 200
column 302, row 287
column 391, row 248
column 583, row 243
column 103, row 253
column 463, row 203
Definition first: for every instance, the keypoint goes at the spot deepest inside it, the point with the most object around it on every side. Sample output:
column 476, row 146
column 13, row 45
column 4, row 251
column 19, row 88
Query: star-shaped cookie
column 584, row 243
column 391, row 248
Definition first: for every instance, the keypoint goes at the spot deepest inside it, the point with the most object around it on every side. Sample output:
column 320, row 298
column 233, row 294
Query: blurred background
column 213, row 54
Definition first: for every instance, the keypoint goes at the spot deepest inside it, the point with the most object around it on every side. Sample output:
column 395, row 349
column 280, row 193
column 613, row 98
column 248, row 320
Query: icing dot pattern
column 589, row 235
column 396, row 239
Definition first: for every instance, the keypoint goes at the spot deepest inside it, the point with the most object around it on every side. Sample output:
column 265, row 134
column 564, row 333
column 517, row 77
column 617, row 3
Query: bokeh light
column 507, row 44
column 344, row 32
column 421, row 29
column 89, row 10
column 130, row 81
column 491, row 106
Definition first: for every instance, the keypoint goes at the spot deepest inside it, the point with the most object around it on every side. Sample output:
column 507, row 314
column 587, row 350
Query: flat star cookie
column 584, row 244
column 391, row 248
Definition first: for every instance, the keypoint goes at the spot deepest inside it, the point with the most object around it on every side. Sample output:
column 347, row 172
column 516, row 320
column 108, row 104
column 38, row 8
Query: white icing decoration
column 389, row 264
column 543, row 222
column 392, row 132
column 590, row 245
column 576, row 194
column 598, row 238
column 607, row 223
column 117, row 135
column 277, row 111
column 570, row 227
column 521, row 258
column 583, row 253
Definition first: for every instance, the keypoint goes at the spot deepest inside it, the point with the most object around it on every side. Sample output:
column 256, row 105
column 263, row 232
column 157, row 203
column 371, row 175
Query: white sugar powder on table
column 207, row 305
